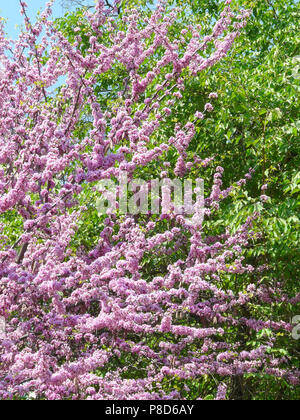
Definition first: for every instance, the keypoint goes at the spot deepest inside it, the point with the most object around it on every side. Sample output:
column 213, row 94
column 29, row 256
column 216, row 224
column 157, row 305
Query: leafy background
column 255, row 124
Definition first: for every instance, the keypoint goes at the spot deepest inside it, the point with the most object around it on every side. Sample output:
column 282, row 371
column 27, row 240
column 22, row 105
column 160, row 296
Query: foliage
column 195, row 311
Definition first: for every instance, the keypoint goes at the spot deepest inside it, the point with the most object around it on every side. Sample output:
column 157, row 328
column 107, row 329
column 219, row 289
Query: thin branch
column 36, row 53
column 273, row 8
column 22, row 253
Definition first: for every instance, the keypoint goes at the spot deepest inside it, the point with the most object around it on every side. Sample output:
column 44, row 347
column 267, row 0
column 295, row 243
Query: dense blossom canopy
column 73, row 317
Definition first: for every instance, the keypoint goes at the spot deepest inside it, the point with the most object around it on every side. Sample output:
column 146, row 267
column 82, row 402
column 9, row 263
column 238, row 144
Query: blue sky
column 10, row 9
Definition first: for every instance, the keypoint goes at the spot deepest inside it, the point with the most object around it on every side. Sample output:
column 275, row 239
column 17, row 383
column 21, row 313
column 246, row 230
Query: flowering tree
column 150, row 311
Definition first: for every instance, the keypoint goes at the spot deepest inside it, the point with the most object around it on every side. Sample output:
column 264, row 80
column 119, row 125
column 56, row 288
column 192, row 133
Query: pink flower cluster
column 81, row 324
